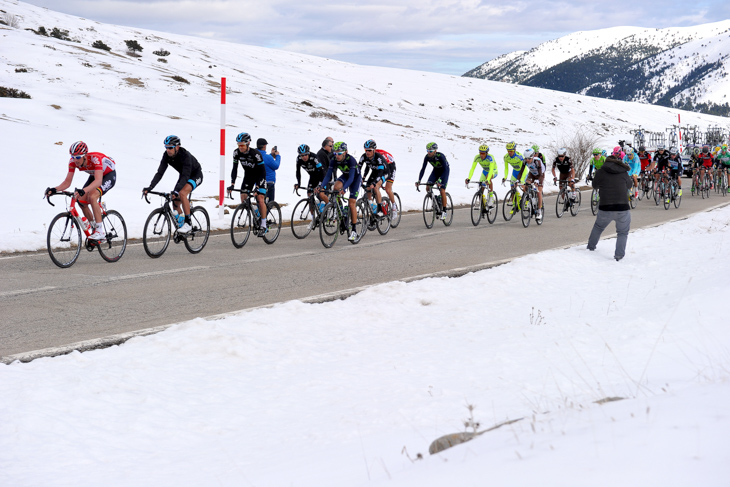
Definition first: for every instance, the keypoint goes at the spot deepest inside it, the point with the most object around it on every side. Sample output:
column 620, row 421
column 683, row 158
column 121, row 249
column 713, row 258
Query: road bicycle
column 306, row 215
column 595, row 200
column 395, row 211
column 565, row 202
column 632, row 197
column 433, row 206
column 646, row 185
column 529, row 206
column 374, row 220
column 672, row 194
column 162, row 224
column 511, row 202
column 64, row 234
column 485, row 203
column 247, row 218
column 661, row 188
column 335, row 219
column 722, row 181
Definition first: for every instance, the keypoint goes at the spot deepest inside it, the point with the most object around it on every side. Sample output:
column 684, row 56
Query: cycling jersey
column 373, row 166
column 440, row 169
column 535, row 167
column 351, row 176
column 489, row 167
column 254, row 170
column 634, row 164
column 184, row 163
column 661, row 159
column 596, row 164
column 390, row 167
column 517, row 163
column 564, row 165
column 675, row 162
column 645, row 160
column 312, row 166
column 705, row 159
column 94, row 162
column 724, row 158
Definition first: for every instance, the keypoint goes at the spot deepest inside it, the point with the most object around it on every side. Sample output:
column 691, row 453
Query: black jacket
column 184, row 163
column 613, row 183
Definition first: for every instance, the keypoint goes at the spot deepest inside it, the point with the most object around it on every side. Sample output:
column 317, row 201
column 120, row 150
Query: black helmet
column 172, row 140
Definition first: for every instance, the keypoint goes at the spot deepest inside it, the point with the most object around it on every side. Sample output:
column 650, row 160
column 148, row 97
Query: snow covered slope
column 683, row 67
column 124, row 106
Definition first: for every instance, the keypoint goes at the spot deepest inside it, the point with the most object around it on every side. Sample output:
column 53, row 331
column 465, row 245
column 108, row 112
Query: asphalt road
column 44, row 306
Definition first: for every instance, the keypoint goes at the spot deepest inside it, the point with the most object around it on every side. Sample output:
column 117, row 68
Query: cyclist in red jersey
column 644, row 158
column 102, row 177
column 389, row 178
column 705, row 160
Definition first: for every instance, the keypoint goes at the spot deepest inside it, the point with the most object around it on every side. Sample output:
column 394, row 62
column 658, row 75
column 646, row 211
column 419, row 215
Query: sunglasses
column 431, row 150
column 369, row 150
column 483, row 152
column 339, row 153
column 168, row 147
column 77, row 157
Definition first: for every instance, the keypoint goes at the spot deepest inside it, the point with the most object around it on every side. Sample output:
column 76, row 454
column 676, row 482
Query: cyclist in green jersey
column 596, row 163
column 723, row 159
column 514, row 159
column 489, row 166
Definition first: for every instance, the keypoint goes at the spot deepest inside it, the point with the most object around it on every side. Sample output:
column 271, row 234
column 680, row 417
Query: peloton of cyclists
column 102, row 177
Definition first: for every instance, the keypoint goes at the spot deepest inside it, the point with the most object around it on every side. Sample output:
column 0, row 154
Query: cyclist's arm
column 327, row 176
column 473, row 166
column 423, row 168
column 186, row 169
column 160, row 172
column 234, row 172
column 66, row 182
column 299, row 172
column 492, row 170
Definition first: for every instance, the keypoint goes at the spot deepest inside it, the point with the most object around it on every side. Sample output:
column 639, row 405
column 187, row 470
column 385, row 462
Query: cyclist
column 102, row 177
column 705, row 161
column 514, row 159
column 307, row 160
column 723, row 159
column 439, row 175
column 661, row 161
column 564, row 165
column 539, row 154
column 634, row 163
column 675, row 167
column 489, row 167
column 350, row 179
column 644, row 158
column 191, row 176
column 534, row 169
column 389, row 178
column 373, row 164
column 599, row 157
column 254, row 174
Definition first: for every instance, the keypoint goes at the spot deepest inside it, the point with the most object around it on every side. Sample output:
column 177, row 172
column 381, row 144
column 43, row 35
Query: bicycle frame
column 71, row 208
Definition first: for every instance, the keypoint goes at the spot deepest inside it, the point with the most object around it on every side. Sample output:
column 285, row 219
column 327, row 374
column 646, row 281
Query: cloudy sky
column 445, row 36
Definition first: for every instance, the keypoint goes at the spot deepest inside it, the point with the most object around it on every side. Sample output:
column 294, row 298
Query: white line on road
column 26, row 291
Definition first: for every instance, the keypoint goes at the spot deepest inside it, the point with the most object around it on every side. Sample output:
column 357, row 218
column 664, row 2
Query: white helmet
column 528, row 153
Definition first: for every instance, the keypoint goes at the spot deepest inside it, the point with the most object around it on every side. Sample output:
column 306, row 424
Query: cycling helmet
column 629, row 150
column 723, row 147
column 706, row 149
column 340, row 147
column 673, row 151
column 597, row 151
column 642, row 148
column 172, row 140
column 303, row 149
column 243, row 138
column 78, row 148
column 536, row 148
column 432, row 146
column 484, row 148
column 370, row 144
column 616, row 151
column 562, row 151
column 529, row 153
column 604, row 152
column 696, row 151
column 660, row 147
column 511, row 146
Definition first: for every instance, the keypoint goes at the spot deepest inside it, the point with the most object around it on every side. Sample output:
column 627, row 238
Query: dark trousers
column 623, row 224
column 270, row 191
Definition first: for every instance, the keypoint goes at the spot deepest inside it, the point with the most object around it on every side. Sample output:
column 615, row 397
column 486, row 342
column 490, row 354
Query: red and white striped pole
column 679, row 122
column 223, row 150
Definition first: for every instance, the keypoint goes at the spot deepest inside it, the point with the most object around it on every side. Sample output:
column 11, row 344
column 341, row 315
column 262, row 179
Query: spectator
column 613, row 183
column 325, row 153
column 272, row 162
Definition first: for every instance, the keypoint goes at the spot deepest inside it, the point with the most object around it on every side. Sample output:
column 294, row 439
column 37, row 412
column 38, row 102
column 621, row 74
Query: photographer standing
column 613, row 183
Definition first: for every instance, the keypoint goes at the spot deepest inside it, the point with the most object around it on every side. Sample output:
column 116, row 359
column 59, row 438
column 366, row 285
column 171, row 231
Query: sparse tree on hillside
column 133, row 46
column 580, row 144
column 101, row 45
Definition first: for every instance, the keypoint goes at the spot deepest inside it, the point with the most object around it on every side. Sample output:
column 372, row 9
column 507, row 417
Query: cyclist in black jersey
column 254, row 174
column 191, row 175
column 307, row 160
column 373, row 165
column 440, row 173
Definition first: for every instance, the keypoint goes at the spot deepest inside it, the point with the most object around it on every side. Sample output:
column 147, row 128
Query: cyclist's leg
column 351, row 202
column 261, row 201
column 444, row 181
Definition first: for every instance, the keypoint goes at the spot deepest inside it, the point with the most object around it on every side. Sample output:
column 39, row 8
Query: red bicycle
column 64, row 234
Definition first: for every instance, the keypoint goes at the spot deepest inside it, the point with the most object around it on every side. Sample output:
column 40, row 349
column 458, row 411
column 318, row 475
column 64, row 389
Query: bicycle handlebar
column 64, row 193
column 156, row 193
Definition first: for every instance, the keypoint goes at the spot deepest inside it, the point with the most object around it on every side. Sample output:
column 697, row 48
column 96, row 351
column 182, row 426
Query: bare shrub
column 11, row 20
column 580, row 144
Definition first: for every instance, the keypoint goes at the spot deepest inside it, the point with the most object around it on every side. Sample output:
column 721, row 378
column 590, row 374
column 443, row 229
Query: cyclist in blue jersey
column 634, row 163
column 440, row 173
column 350, row 179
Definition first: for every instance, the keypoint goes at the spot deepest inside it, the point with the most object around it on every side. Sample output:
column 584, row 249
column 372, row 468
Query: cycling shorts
column 516, row 173
column 314, row 181
column 373, row 180
column 441, row 173
column 531, row 177
column 354, row 187
column 195, row 182
column 675, row 173
column 107, row 182
column 390, row 176
column 250, row 183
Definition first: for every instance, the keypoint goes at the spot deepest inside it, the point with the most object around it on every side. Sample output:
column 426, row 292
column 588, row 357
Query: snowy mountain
column 680, row 67
column 124, row 103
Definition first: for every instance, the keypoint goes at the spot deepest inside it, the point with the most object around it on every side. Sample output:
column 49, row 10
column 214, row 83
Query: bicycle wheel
column 329, row 227
column 492, row 207
column 198, row 236
column 658, row 192
column 594, row 201
column 561, row 203
column 369, row 215
column 678, row 197
column 540, row 220
column 576, row 204
column 632, row 199
column 301, row 219
column 449, row 209
column 708, row 185
column 383, row 222
column 273, row 222
column 64, row 240
column 477, row 208
column 115, row 233
column 362, row 209
column 723, row 188
column 395, row 211
column 156, row 234
column 508, row 210
column 429, row 210
column 526, row 209
column 241, row 225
